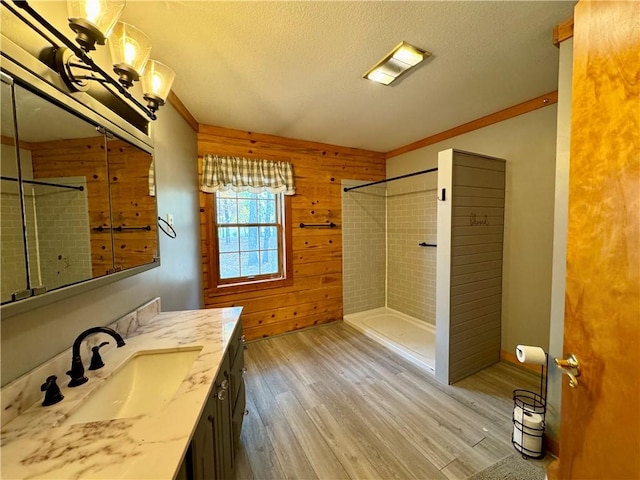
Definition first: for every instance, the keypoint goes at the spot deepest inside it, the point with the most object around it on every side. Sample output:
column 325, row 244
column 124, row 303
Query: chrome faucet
column 77, row 369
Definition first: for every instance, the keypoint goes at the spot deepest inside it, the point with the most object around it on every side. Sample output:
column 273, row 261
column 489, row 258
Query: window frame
column 258, row 282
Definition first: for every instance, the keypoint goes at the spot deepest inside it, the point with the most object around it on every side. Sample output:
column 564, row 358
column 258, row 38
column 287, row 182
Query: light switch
column 170, row 219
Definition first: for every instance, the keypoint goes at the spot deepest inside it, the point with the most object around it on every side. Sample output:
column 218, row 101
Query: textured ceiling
column 294, row 68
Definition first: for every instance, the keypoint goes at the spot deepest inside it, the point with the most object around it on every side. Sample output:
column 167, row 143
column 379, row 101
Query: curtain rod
column 47, row 184
column 346, row 189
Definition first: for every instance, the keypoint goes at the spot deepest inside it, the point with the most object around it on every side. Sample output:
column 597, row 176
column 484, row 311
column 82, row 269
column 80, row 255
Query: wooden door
column 600, row 420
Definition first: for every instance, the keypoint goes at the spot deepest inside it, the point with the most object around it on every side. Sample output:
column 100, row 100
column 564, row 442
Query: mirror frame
column 29, row 72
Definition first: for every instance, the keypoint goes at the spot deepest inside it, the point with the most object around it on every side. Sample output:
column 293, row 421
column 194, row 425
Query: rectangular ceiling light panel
column 396, row 63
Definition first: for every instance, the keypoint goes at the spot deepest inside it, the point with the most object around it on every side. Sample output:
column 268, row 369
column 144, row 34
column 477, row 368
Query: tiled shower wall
column 63, row 232
column 411, row 269
column 363, row 248
column 12, row 252
column 382, row 261
column 63, row 252
column 14, row 278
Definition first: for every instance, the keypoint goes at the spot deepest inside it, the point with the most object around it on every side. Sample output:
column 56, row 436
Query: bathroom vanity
column 185, row 423
column 215, row 442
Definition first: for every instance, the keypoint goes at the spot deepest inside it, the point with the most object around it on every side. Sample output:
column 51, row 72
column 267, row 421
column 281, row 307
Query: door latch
column 570, row 366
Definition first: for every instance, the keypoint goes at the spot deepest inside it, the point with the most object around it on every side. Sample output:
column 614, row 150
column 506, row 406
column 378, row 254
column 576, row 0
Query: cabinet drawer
column 236, row 343
column 236, row 376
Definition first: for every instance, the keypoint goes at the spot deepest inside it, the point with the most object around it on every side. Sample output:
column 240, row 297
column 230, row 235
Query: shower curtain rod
column 346, row 189
column 35, row 182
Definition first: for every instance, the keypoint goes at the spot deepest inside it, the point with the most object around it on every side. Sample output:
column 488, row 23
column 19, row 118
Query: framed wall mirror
column 12, row 241
column 77, row 202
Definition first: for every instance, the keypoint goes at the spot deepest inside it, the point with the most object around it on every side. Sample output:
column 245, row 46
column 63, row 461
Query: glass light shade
column 130, row 49
column 157, row 80
column 93, row 20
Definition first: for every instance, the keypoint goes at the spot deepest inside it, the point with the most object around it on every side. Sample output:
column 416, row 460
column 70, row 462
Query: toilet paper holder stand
column 529, row 410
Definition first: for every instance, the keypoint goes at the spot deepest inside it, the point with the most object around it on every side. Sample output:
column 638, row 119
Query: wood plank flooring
column 329, row 403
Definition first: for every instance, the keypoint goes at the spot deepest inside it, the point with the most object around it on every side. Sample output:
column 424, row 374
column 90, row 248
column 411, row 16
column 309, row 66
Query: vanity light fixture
column 402, row 58
column 130, row 49
column 157, row 79
column 93, row 20
column 96, row 21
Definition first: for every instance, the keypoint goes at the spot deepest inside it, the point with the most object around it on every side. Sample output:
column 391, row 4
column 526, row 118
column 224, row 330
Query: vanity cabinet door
column 209, row 455
column 183, row 471
column 199, row 463
column 238, row 400
column 238, row 417
column 215, row 441
column 224, row 465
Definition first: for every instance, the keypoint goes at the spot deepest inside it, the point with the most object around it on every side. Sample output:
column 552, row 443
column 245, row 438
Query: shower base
column 408, row 337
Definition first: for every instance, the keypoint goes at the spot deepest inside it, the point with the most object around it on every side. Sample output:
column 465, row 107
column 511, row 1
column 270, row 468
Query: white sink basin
column 142, row 385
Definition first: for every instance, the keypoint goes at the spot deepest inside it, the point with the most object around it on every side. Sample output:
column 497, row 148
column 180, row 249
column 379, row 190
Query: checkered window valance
column 246, row 175
column 152, row 180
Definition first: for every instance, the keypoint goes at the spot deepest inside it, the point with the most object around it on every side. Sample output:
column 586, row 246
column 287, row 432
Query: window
column 250, row 241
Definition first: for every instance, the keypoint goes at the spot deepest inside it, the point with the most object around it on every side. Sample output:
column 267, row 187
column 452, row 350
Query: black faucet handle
column 77, row 369
column 52, row 391
column 96, row 359
column 77, row 372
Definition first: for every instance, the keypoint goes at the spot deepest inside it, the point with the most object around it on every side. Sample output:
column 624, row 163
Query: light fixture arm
column 104, row 77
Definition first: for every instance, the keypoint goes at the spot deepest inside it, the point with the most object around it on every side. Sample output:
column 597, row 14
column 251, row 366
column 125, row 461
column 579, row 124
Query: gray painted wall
column 528, row 144
column 29, row 339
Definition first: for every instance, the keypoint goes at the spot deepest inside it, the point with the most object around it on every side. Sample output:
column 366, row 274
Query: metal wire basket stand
column 529, row 410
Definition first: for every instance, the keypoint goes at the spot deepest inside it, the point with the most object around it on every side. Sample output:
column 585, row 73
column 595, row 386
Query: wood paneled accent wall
column 131, row 205
column 127, row 175
column 316, row 294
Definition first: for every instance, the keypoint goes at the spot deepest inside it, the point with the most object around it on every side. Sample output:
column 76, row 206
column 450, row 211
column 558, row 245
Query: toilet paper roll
column 527, row 432
column 527, row 418
column 529, row 354
column 527, row 444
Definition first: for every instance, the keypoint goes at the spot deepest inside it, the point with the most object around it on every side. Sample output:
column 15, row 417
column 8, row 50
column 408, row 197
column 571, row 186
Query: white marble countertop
column 38, row 444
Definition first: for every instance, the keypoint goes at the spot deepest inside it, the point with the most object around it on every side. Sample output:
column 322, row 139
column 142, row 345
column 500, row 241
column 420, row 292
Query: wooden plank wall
column 476, row 263
column 316, row 294
column 132, row 205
